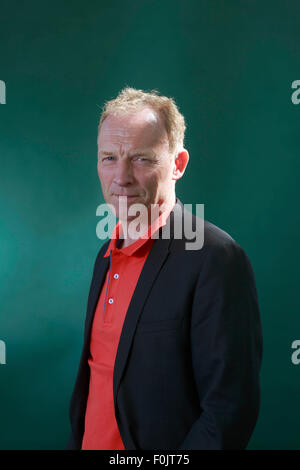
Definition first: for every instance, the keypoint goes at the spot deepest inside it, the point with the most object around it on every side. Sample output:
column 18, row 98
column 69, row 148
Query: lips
column 126, row 195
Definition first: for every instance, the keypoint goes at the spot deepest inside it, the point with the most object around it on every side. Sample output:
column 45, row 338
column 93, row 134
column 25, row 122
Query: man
column 172, row 342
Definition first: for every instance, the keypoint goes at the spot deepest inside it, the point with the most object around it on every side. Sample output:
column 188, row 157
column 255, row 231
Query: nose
column 123, row 173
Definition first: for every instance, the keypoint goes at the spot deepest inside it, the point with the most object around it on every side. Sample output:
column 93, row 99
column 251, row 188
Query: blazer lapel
column 96, row 286
column 154, row 262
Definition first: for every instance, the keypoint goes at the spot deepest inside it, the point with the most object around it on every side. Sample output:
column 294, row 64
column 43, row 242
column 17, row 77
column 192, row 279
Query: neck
column 166, row 206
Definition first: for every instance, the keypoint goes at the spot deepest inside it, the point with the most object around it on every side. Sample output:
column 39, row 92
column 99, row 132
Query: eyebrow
column 133, row 154
column 103, row 152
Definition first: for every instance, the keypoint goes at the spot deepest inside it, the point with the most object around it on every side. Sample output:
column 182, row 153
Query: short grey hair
column 131, row 100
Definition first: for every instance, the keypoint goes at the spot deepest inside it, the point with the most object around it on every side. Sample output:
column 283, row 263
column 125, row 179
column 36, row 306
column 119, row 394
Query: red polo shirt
column 101, row 429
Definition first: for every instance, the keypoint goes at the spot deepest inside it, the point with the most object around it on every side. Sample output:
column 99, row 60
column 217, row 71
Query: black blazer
column 187, row 368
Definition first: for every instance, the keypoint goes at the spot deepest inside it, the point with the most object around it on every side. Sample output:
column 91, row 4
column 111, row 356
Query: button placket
column 111, row 292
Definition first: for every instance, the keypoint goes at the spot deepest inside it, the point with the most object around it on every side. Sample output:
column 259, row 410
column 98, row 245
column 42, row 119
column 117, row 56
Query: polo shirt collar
column 131, row 249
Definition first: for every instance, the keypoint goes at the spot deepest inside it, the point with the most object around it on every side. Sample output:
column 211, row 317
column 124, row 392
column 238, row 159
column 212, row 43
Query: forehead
column 138, row 129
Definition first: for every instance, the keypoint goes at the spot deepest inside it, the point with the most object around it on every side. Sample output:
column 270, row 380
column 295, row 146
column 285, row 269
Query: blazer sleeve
column 226, row 348
column 78, row 398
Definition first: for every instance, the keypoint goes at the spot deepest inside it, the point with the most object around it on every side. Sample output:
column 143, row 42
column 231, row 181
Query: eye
column 142, row 159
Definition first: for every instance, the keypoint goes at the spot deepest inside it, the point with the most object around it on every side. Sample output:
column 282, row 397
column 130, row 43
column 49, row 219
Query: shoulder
column 215, row 236
column 195, row 233
column 223, row 257
column 210, row 248
column 218, row 243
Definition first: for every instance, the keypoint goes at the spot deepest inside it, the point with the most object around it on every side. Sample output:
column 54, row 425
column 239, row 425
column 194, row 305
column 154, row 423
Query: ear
column 180, row 164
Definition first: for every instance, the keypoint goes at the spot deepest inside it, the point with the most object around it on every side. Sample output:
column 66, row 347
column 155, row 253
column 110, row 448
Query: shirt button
column 116, row 276
column 110, row 301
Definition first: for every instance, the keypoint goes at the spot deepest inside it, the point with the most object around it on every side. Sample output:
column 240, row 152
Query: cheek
column 160, row 178
column 149, row 184
column 98, row 171
column 104, row 177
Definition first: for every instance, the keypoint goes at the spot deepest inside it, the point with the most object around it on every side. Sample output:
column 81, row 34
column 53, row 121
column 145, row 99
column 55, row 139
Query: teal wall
column 229, row 65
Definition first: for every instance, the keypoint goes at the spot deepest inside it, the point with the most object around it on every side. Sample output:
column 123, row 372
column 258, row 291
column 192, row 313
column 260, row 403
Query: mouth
column 125, row 195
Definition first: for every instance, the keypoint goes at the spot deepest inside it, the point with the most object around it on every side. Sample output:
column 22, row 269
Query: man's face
column 134, row 160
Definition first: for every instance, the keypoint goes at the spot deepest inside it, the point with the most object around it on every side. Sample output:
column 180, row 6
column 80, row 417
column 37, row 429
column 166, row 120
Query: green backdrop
column 229, row 65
